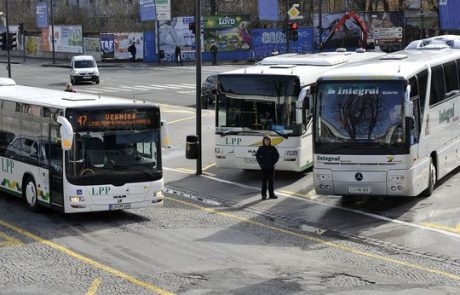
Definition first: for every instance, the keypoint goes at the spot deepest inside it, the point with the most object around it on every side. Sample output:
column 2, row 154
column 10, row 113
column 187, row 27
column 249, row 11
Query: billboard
column 123, row 40
column 147, row 10
column 228, row 33
column 66, row 39
column 176, row 32
column 41, row 14
column 266, row 41
column 107, row 45
column 448, row 14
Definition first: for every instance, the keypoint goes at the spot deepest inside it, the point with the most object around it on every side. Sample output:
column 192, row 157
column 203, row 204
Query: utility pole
column 320, row 23
column 52, row 32
column 8, row 40
column 198, row 82
column 286, row 26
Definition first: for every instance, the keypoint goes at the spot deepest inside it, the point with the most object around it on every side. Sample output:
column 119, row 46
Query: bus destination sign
column 103, row 120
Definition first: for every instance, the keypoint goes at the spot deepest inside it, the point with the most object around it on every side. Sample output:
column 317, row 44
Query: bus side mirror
column 164, row 131
column 302, row 104
column 66, row 131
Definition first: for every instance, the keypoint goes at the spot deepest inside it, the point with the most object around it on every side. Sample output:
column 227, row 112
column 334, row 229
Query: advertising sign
column 228, row 33
column 448, row 14
column 66, row 39
column 122, row 42
column 176, row 32
column 147, row 10
column 107, row 45
column 163, row 9
column 268, row 10
column 41, row 14
column 266, row 41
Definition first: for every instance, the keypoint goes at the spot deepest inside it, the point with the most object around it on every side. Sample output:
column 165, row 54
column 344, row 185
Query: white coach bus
column 79, row 153
column 389, row 127
column 272, row 98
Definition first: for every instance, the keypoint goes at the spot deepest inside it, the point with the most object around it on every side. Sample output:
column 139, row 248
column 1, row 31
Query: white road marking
column 367, row 214
column 186, row 92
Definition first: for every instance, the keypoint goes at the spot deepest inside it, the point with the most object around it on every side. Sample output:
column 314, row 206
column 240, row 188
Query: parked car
column 84, row 68
column 209, row 89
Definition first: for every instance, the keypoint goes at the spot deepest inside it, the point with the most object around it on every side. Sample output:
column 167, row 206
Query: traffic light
column 3, row 41
column 13, row 44
column 192, row 27
column 294, row 34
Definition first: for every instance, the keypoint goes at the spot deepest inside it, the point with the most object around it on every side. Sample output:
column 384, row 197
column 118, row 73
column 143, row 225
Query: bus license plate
column 120, row 206
column 359, row 189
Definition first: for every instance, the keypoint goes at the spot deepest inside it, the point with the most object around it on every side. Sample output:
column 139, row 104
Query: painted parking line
column 312, row 198
column 330, row 244
column 181, row 120
column 86, row 260
column 7, row 241
column 94, row 286
column 443, row 227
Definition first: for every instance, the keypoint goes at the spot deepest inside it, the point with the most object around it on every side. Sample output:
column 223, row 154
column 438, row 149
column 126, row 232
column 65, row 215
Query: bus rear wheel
column 431, row 180
column 29, row 193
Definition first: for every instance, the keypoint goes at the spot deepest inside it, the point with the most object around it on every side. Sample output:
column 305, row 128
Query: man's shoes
column 273, row 197
column 264, row 197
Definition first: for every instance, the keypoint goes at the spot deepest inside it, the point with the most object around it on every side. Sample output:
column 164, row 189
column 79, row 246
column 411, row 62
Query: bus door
column 56, row 167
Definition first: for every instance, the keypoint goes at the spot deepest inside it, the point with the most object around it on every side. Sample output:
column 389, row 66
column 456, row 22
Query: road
column 215, row 236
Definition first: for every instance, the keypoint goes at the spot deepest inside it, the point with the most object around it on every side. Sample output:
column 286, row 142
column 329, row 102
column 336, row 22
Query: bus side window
column 422, row 79
column 451, row 77
column 438, row 85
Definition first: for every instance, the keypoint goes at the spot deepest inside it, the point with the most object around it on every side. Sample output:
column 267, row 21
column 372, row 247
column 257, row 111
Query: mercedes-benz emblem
column 359, row 176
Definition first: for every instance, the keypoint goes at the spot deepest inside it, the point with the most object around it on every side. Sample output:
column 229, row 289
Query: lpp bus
column 391, row 126
column 79, row 153
column 272, row 98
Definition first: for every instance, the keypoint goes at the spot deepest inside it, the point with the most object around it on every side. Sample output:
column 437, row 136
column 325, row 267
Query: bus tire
column 431, row 180
column 30, row 194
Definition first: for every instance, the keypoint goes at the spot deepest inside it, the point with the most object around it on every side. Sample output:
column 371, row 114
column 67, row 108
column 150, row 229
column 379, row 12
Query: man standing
column 214, row 50
column 267, row 156
column 177, row 54
column 132, row 50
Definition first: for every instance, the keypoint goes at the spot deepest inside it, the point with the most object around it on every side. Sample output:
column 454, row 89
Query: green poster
column 229, row 33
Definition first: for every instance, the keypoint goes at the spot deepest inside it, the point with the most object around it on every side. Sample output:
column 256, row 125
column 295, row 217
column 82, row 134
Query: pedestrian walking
column 214, row 51
column 267, row 156
column 132, row 50
column 177, row 54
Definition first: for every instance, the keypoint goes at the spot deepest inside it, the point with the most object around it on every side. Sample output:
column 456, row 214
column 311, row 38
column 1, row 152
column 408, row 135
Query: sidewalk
column 109, row 63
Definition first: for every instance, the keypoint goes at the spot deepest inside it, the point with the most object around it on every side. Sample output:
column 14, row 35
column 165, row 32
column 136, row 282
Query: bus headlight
column 158, row 194
column 76, row 199
column 218, row 151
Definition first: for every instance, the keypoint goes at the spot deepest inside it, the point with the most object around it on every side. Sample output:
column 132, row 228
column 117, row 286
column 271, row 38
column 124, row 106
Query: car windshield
column 88, row 63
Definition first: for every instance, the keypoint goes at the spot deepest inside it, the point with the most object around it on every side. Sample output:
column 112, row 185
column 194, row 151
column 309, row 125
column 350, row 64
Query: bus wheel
column 431, row 180
column 29, row 193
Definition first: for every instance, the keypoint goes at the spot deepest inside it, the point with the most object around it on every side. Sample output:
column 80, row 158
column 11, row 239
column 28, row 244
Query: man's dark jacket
column 267, row 156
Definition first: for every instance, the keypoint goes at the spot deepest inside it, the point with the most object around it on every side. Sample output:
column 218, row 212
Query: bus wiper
column 280, row 134
column 232, row 132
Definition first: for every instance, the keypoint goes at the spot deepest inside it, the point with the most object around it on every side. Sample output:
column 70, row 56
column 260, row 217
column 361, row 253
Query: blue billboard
column 268, row 10
column 448, row 14
column 41, row 14
column 266, row 41
column 147, row 10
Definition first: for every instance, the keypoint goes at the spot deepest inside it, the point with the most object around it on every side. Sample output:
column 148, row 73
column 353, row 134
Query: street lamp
column 52, row 32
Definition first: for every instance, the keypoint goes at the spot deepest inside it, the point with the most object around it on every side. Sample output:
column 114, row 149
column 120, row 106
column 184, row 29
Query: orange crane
column 341, row 23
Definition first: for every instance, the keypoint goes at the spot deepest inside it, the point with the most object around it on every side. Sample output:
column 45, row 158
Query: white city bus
column 273, row 98
column 389, row 127
column 79, row 153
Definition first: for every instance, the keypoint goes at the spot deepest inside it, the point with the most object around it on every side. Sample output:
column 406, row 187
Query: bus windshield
column 114, row 147
column 257, row 103
column 359, row 113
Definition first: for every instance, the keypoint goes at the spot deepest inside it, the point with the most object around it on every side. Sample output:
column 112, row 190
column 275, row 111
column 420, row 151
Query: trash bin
column 191, row 147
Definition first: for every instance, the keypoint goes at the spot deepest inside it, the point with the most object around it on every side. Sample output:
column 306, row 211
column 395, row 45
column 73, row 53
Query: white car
column 84, row 68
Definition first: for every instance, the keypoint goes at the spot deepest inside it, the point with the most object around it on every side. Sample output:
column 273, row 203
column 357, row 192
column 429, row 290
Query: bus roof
column 416, row 57
column 60, row 99
column 305, row 66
